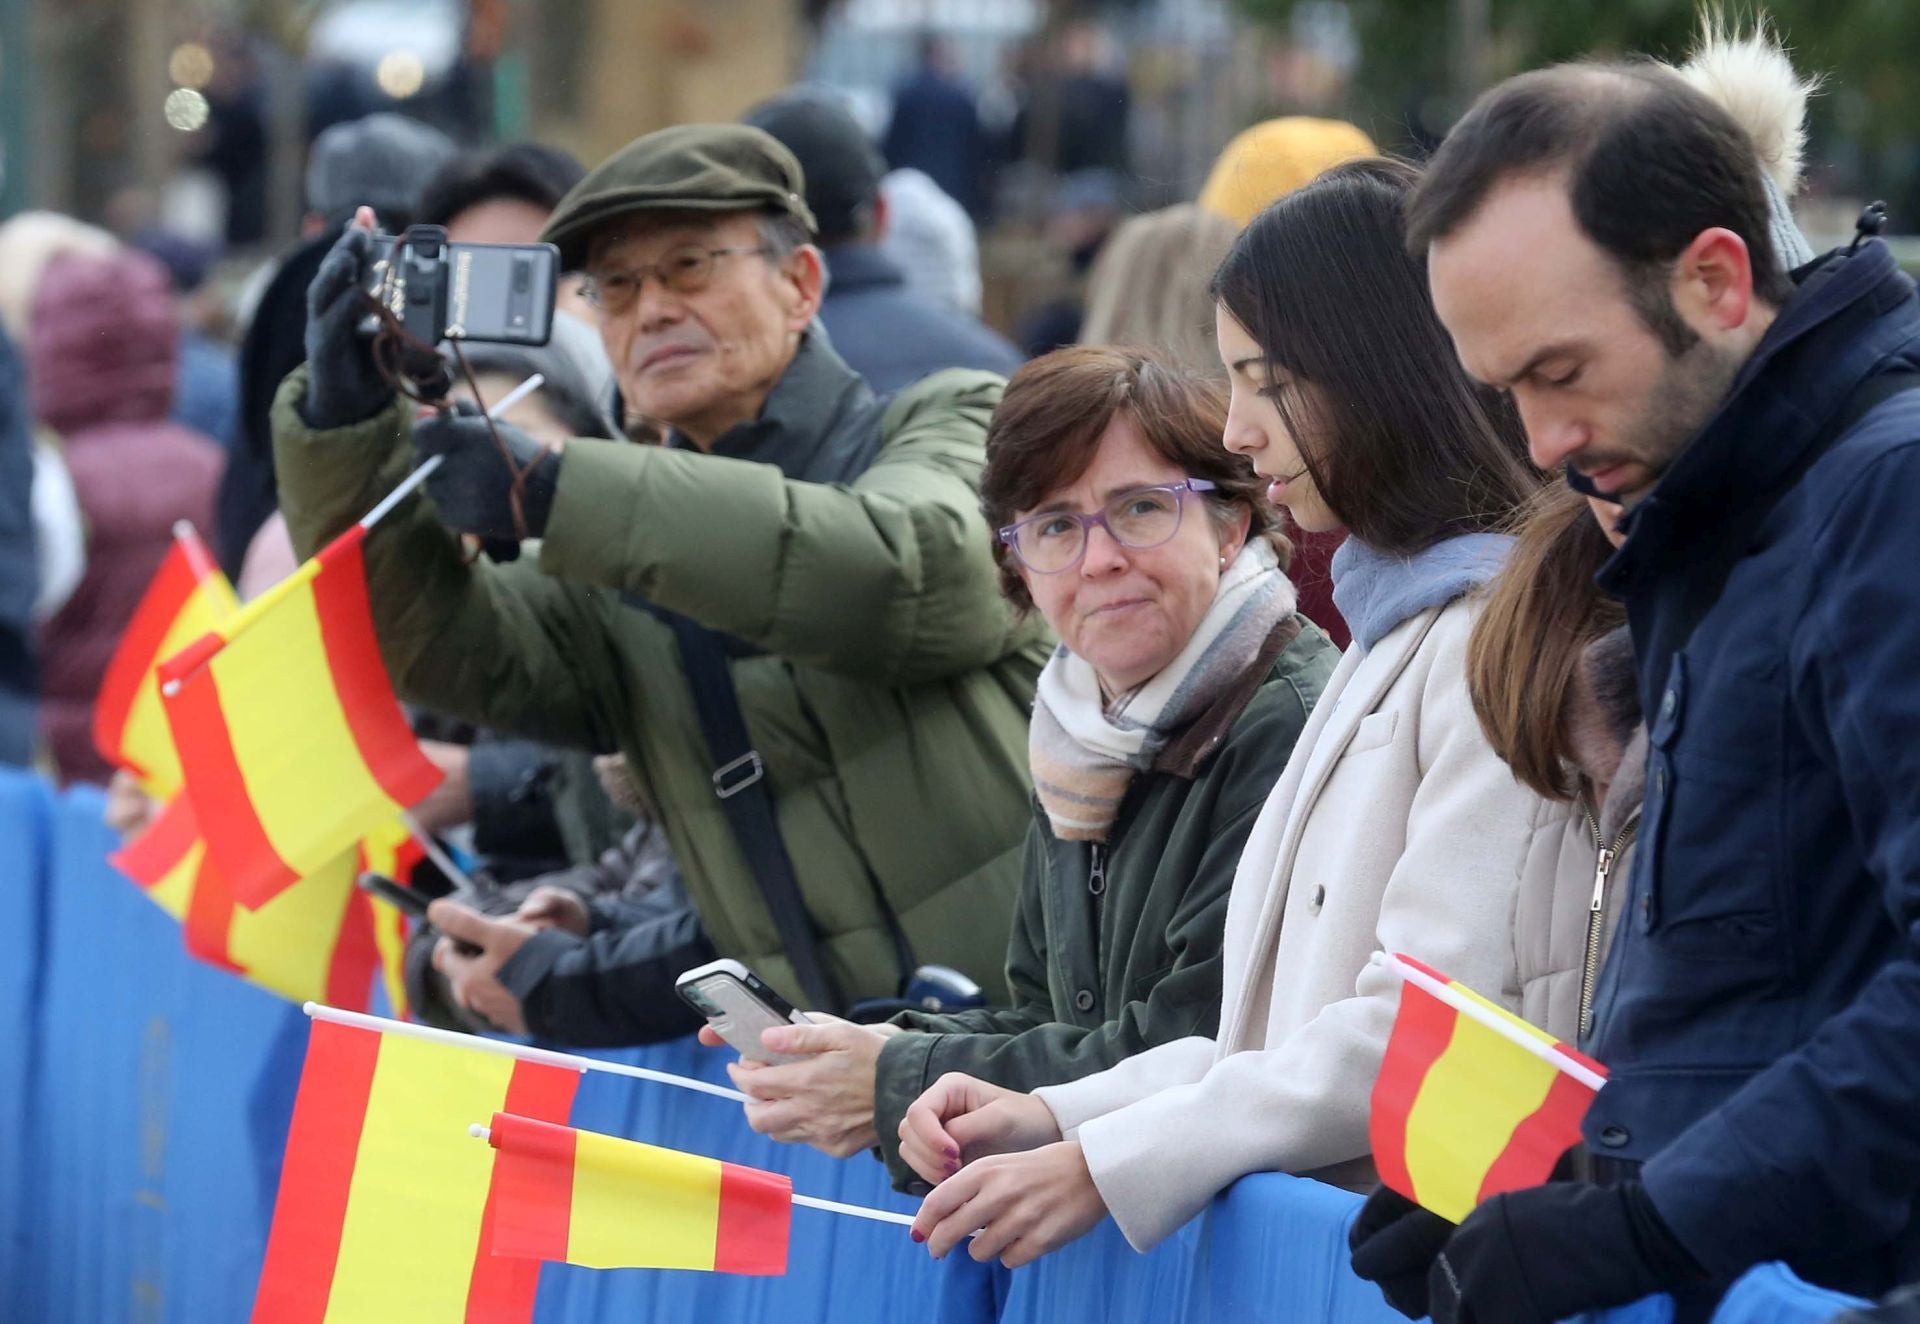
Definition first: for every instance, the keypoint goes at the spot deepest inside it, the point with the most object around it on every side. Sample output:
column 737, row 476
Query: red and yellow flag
column 188, row 598
column 293, row 744
column 385, row 1201
column 1471, row 1100
column 609, row 1203
column 322, row 939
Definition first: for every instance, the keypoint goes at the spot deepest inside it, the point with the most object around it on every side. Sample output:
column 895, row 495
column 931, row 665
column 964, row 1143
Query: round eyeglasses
column 684, row 271
column 1140, row 517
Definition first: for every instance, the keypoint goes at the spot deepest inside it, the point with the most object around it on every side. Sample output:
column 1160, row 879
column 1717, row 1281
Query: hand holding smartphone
column 738, row 1005
column 407, row 902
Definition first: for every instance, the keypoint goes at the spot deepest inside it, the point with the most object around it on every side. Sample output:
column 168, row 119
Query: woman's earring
column 1223, row 562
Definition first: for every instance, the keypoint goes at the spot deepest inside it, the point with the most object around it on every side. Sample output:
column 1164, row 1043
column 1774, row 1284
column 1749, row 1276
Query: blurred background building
column 1049, row 120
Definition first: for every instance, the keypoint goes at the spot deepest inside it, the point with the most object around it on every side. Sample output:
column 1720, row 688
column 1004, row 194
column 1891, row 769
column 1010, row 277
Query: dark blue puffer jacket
column 1760, row 1011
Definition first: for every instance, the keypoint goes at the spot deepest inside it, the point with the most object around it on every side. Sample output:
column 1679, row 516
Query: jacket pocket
column 1711, row 822
column 1375, row 730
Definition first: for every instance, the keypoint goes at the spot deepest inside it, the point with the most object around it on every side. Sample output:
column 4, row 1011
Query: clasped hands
column 995, row 1155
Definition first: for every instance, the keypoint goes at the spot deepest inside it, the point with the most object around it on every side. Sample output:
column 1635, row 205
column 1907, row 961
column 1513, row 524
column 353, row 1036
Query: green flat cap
column 690, row 167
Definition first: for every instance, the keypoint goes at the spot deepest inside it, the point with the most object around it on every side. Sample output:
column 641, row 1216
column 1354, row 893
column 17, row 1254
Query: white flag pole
column 1540, row 1048
column 519, row 1052
column 479, row 1132
column 425, row 471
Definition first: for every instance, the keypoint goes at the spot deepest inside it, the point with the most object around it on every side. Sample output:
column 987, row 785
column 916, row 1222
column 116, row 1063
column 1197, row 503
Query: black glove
column 1540, row 1255
column 343, row 386
column 1394, row 1242
column 472, row 489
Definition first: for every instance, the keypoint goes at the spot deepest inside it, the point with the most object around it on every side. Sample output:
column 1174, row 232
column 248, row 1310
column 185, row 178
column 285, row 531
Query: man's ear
column 803, row 276
column 1713, row 280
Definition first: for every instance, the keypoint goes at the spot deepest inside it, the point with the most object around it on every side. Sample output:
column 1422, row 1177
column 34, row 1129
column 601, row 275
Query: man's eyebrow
column 1544, row 354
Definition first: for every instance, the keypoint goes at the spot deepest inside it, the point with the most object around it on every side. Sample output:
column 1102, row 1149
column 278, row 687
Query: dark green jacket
column 839, row 534
column 1103, row 965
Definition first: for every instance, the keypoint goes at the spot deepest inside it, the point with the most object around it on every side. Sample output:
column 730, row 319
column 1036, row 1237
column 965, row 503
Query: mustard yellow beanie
column 1274, row 158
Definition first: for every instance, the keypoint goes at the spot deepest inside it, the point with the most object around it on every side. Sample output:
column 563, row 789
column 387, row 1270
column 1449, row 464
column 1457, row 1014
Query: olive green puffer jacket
column 885, row 682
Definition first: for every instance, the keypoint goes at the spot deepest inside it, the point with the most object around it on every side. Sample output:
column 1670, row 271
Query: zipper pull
column 1097, row 875
column 1603, row 866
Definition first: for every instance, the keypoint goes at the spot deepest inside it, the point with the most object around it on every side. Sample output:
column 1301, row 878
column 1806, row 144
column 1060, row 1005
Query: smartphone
column 396, row 894
column 407, row 902
column 501, row 293
column 738, row 1005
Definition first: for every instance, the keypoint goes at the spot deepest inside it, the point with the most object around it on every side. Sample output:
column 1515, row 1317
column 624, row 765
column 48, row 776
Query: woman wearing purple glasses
column 1182, row 680
column 1394, row 827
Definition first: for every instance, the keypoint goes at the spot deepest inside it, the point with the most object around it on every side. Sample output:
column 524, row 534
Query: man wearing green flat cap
column 798, row 548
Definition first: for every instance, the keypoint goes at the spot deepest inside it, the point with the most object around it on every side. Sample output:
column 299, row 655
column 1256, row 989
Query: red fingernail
column 917, row 1235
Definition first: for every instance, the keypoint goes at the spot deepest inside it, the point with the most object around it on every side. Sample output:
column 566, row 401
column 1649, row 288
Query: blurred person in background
column 382, row 160
column 935, row 128
column 885, row 332
column 1260, row 165
column 931, row 239
column 1182, row 680
column 1083, row 212
column 206, row 394
column 28, row 241
column 103, row 349
column 803, row 550
column 1148, row 287
column 19, row 566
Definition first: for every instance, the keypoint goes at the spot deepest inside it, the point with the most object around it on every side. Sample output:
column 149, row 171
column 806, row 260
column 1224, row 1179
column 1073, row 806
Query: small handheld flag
column 187, row 598
column 608, row 1203
column 293, row 744
column 384, row 1203
column 1471, row 1100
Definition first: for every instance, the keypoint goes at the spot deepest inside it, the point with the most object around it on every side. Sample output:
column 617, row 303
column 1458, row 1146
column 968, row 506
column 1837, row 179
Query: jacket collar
column 855, row 267
column 805, row 427
column 1851, row 312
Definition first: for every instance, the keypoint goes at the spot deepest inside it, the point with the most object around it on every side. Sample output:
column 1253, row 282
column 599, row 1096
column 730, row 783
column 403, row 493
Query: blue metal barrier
column 140, row 1144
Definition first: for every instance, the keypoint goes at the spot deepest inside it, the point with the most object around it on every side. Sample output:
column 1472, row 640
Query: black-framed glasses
column 1140, row 517
column 684, row 271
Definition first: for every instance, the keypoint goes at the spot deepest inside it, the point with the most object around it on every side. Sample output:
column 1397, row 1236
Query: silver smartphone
column 738, row 1005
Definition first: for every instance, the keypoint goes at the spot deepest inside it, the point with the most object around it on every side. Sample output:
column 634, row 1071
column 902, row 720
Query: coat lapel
column 1356, row 689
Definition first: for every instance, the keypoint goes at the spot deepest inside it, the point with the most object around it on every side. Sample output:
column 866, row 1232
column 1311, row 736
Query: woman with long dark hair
column 1395, row 827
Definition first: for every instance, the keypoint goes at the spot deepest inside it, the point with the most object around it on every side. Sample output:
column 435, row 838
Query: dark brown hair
column 1542, row 613
column 1650, row 162
column 1403, row 446
column 1048, row 427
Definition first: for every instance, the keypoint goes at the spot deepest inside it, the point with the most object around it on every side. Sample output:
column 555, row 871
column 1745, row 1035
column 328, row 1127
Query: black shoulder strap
column 739, row 780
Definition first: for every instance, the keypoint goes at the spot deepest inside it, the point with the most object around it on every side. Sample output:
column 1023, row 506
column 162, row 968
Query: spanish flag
column 609, row 1203
column 1471, row 1100
column 385, row 1203
column 322, row 939
column 187, row 598
column 292, row 742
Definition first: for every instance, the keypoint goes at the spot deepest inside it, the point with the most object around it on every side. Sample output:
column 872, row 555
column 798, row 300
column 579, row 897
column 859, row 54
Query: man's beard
column 1690, row 388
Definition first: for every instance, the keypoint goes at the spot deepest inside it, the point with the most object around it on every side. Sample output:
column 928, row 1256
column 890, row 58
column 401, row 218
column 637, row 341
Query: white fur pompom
column 1750, row 75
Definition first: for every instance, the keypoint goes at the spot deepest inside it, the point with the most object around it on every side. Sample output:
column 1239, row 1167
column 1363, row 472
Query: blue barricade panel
column 140, row 1149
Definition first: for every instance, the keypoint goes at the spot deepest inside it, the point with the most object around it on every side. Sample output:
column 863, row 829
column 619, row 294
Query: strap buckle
column 733, row 777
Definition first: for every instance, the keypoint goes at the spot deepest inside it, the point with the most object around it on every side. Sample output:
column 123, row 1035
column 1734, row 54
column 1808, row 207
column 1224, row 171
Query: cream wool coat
column 1393, row 828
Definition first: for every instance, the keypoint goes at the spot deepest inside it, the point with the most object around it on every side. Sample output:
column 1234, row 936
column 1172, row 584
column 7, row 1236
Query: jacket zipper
column 1597, row 908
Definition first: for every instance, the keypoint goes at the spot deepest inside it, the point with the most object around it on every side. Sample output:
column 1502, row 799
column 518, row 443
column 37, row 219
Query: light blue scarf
column 1376, row 591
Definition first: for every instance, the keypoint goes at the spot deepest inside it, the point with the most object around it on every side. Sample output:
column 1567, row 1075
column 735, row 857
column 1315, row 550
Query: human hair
column 1649, row 160
column 1542, row 613
column 1404, row 447
column 1149, row 285
column 781, row 234
column 1048, row 427
column 525, row 172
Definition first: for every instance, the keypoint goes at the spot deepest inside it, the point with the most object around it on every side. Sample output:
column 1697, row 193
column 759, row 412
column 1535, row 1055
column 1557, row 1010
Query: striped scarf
column 1084, row 751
